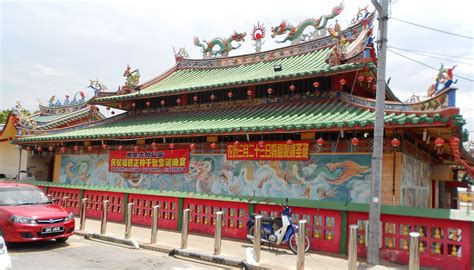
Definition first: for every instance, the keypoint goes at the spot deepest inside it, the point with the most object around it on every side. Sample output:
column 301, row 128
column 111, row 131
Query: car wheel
column 62, row 240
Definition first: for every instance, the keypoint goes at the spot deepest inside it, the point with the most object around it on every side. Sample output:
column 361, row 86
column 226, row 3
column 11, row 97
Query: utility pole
column 374, row 231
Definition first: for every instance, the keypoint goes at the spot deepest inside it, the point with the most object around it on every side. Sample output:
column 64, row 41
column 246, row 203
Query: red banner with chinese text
column 159, row 161
column 273, row 150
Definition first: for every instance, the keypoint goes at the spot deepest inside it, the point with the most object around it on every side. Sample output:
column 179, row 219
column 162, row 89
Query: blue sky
column 54, row 47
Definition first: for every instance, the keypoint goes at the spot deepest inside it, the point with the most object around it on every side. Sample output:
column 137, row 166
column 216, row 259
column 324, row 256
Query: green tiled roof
column 311, row 63
column 284, row 116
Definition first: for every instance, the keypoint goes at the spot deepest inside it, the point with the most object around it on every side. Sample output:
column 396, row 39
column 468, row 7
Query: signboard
column 159, row 161
column 273, row 150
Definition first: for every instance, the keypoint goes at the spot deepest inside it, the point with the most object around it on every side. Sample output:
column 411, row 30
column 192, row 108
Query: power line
column 434, row 57
column 428, row 66
column 433, row 53
column 431, row 28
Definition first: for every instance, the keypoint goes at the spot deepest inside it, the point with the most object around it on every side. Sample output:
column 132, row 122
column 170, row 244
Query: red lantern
column 178, row 101
column 236, row 144
column 320, row 141
column 192, row 146
column 229, row 94
column 289, row 142
column 28, row 148
column 361, row 78
column 292, row 88
column 213, row 97
column 261, row 144
column 342, row 82
column 104, row 146
column 154, row 145
column 195, row 99
column 134, row 105
column 355, row 141
column 171, row 145
column 51, row 149
column 135, row 148
column 76, row 148
column 148, row 103
column 89, row 148
column 395, row 142
column 370, row 79
column 249, row 93
column 439, row 142
column 119, row 148
column 39, row 149
column 120, row 106
column 213, row 145
column 162, row 102
column 269, row 91
column 62, row 149
column 316, row 84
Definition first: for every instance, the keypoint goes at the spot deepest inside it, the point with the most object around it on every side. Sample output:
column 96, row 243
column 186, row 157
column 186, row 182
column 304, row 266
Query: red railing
column 73, row 198
column 143, row 210
column 95, row 204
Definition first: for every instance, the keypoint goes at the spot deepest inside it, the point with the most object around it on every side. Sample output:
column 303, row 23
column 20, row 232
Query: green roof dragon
column 224, row 45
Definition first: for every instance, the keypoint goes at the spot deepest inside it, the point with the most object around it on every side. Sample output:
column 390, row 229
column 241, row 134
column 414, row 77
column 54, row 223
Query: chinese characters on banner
column 275, row 150
column 159, row 161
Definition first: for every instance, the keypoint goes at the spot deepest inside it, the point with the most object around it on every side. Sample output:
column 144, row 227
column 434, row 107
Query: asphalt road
column 78, row 253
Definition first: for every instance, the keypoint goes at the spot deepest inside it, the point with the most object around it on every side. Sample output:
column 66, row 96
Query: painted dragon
column 295, row 34
column 224, row 45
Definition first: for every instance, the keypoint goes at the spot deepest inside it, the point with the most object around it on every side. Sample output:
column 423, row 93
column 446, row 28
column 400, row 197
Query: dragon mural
column 295, row 34
column 224, row 45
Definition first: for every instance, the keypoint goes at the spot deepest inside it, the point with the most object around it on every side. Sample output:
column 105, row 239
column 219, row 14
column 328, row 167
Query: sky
column 54, row 47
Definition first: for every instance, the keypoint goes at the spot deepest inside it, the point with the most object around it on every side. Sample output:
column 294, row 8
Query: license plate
column 52, row 229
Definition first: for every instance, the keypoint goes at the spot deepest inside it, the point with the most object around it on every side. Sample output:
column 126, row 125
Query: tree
column 4, row 116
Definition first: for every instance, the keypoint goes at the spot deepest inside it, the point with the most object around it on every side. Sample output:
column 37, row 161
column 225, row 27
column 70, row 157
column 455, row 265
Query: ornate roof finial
column 97, row 86
column 224, row 45
column 443, row 81
column 180, row 55
column 258, row 34
column 131, row 81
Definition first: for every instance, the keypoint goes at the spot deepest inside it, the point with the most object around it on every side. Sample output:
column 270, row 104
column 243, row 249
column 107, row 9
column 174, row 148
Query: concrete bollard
column 184, row 229
column 257, row 237
column 218, row 234
column 83, row 214
column 128, row 221
column 353, row 247
column 103, row 220
column 414, row 262
column 154, row 224
column 301, row 245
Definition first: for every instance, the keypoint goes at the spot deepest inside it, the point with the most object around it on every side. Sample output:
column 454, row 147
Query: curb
column 134, row 244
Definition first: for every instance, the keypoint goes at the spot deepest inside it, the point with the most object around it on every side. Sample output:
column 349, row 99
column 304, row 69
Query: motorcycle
column 277, row 231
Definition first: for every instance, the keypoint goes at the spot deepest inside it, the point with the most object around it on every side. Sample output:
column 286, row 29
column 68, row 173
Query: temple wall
column 9, row 158
column 415, row 182
column 391, row 179
column 328, row 177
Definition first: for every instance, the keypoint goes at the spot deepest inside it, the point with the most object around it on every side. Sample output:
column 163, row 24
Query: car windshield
column 22, row 196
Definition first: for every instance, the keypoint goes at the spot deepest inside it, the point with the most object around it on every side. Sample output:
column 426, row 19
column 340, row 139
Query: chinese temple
column 240, row 132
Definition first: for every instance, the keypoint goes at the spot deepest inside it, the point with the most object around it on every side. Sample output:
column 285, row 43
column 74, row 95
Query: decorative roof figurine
column 97, row 86
column 131, row 81
column 258, row 34
column 224, row 45
column 295, row 34
column 362, row 14
column 180, row 55
column 24, row 117
column 444, row 80
column 336, row 55
column 66, row 101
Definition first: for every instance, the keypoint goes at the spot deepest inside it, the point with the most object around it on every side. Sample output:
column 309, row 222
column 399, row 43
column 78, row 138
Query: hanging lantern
column 439, row 142
column 292, row 88
column 76, row 148
column 178, row 101
column 395, row 142
column 249, row 93
column 342, row 82
column 162, row 102
column 89, row 148
column 213, row 145
column 370, row 79
column 261, row 144
column 28, row 148
column 192, row 146
column 107, row 108
column 316, row 84
column 39, row 149
column 134, row 105
column 320, row 141
column 270, row 91
column 289, row 142
column 236, row 144
column 119, row 148
column 120, row 106
column 171, row 145
column 195, row 98
column 213, row 97
column 229, row 94
column 355, row 141
column 360, row 78
column 135, row 148
column 148, row 103
column 51, row 149
column 62, row 149
column 154, row 145
column 104, row 146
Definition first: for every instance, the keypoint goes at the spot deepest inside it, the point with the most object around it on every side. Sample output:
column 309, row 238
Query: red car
column 27, row 214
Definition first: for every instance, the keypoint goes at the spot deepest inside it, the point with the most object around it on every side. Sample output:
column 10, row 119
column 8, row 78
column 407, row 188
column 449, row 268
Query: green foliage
column 3, row 116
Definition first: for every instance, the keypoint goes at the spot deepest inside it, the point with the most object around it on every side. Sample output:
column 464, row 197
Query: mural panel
column 322, row 177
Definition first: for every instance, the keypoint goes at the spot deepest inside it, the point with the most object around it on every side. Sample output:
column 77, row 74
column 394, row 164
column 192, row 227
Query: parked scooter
column 277, row 231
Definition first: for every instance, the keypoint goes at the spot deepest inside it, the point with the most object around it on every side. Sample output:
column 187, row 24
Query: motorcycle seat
column 265, row 219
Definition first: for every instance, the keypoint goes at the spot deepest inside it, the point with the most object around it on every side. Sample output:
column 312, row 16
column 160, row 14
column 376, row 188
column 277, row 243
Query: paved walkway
column 280, row 258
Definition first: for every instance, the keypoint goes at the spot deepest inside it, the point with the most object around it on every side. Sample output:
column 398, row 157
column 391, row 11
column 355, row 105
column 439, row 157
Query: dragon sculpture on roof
column 295, row 34
column 224, row 45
